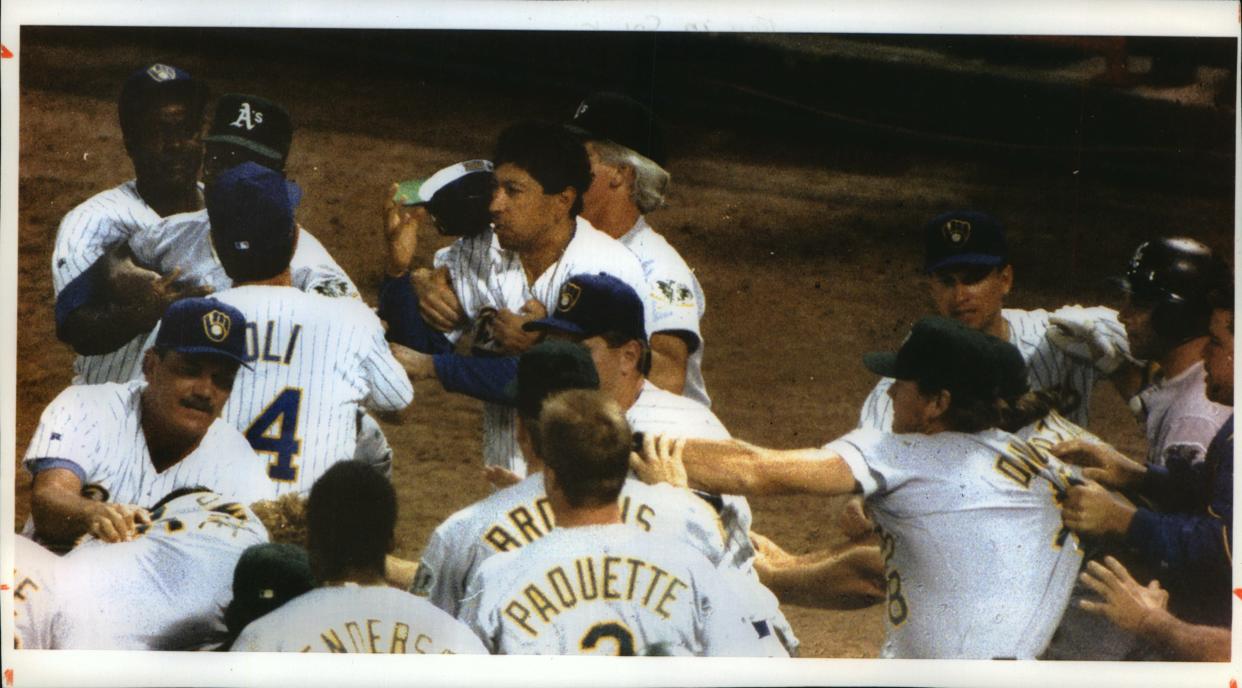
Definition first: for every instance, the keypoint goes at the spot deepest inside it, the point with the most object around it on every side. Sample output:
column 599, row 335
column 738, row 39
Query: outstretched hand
column 660, row 461
column 401, row 225
column 1126, row 603
column 1101, row 463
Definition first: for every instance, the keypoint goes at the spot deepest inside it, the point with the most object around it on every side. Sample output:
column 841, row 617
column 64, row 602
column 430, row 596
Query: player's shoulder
column 107, row 396
column 1025, row 324
column 649, row 244
column 461, row 525
column 662, row 493
column 658, row 410
column 121, row 197
column 591, row 244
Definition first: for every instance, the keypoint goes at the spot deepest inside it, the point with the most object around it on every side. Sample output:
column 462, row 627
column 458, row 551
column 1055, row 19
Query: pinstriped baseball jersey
column 34, row 595
column 1047, row 365
column 316, row 360
column 95, row 431
column 676, row 297
column 373, row 619
column 164, row 590
column 607, row 590
column 84, row 235
column 977, row 560
column 487, row 278
column 518, row 515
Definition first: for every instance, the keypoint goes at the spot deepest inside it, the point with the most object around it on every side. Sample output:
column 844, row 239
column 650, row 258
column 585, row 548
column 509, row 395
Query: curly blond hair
column 284, row 518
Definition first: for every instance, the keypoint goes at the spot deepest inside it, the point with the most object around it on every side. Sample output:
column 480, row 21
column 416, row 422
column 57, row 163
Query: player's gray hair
column 650, row 180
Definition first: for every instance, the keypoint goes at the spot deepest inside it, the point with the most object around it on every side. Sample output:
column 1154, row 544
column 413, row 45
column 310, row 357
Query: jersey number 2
column 613, row 630
column 275, row 432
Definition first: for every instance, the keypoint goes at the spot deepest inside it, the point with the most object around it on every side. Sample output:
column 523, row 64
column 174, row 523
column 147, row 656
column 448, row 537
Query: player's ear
column 940, row 403
column 624, row 177
column 1006, row 275
column 148, row 362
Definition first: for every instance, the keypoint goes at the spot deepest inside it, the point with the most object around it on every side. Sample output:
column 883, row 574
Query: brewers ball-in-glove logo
column 569, row 296
column 161, row 72
column 956, row 231
column 216, row 324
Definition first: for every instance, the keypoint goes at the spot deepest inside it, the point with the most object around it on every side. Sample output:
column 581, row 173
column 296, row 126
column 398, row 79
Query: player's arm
column 741, row 468
column 848, row 579
column 670, row 353
column 61, row 514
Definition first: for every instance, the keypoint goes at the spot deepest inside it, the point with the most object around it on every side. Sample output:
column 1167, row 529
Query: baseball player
column 34, row 595
column 509, row 275
column 315, row 361
column 595, row 585
column 167, row 588
column 161, row 114
column 266, row 576
column 352, row 512
column 978, row 564
column 102, row 451
column 969, row 275
column 628, row 180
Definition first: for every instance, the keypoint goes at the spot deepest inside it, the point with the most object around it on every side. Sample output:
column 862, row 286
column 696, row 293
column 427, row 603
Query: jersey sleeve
column 675, row 294
column 444, row 570
column 877, row 409
column 390, row 388
column 70, row 436
column 702, row 525
column 720, row 622
column 479, row 616
column 253, row 639
column 315, row 271
column 148, row 243
column 865, row 452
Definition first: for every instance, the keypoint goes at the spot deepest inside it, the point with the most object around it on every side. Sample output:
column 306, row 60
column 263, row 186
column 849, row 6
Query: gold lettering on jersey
column 545, row 513
column 657, row 573
column 422, row 644
column 400, row 634
column 541, row 603
column 500, row 539
column 19, row 591
column 670, row 595
column 634, row 565
column 610, row 578
column 643, row 517
column 355, row 635
column 582, row 579
column 525, row 523
column 625, row 509
column 520, row 614
column 332, row 641
column 562, row 587
column 371, row 635
column 1020, row 462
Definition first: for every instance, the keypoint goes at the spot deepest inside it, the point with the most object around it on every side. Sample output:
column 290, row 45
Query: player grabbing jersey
column 102, row 451
column 626, row 148
column 315, row 361
column 595, row 585
column 511, row 274
column 164, row 590
column 161, row 113
column 978, row 563
column 351, row 515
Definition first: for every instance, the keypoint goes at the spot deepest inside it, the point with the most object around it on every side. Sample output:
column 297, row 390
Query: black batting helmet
column 1175, row 276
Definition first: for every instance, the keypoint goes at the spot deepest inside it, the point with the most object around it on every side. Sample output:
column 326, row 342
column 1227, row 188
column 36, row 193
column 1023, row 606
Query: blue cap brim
column 212, row 351
column 882, row 363
column 966, row 259
column 553, row 324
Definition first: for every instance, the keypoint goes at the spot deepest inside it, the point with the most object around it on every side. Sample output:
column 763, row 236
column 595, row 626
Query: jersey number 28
column 275, row 432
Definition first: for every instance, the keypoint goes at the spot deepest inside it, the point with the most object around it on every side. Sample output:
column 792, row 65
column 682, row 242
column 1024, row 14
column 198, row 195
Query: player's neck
column 997, row 327
column 615, row 219
column 1182, row 357
column 627, row 390
column 284, row 279
column 550, row 248
column 167, row 202
column 575, row 517
column 356, row 576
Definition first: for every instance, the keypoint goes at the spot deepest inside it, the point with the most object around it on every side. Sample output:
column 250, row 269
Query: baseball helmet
column 459, row 197
column 1175, row 276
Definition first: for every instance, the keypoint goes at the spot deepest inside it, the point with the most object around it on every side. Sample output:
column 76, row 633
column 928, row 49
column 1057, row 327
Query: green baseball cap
column 942, row 353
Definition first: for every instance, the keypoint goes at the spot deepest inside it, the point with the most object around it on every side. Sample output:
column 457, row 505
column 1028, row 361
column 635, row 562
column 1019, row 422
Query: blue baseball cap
column 252, row 227
column 964, row 237
column 591, row 305
column 203, row 326
column 153, row 81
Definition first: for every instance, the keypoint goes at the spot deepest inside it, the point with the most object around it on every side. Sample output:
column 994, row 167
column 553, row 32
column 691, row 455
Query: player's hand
column 1126, row 603
column 1091, row 509
column 148, row 292
column 436, row 301
column 1092, row 334
column 115, row 522
column 854, row 522
column 507, row 328
column 1101, row 463
column 418, row 365
column 660, row 461
column 499, row 477
column 768, row 554
column 401, row 225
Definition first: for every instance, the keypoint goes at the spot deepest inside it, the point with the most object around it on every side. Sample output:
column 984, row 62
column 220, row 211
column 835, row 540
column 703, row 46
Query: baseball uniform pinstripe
column 676, row 297
column 34, row 595
column 316, row 362
column 166, row 589
column 354, row 618
column 977, row 561
column 1048, row 367
column 608, row 589
column 84, row 235
column 95, row 431
column 487, row 278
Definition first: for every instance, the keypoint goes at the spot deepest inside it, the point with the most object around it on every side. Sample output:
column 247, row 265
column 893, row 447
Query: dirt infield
column 806, row 249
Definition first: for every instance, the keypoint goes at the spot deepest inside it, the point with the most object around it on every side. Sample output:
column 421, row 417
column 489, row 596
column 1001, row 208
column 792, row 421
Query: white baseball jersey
column 316, row 361
column 34, row 595
column 1179, row 419
column 519, row 515
column 95, row 431
column 1047, row 366
column 85, row 234
column 676, row 297
column 164, row 590
column 977, row 561
column 374, row 619
column 608, row 590
column 487, row 278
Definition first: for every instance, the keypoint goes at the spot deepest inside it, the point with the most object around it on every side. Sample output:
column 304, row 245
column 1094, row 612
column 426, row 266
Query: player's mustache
column 198, row 404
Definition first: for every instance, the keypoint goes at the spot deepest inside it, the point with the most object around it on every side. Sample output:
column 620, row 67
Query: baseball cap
column 591, row 305
column 252, row 227
column 156, row 80
column 459, row 196
column 254, row 123
column 549, row 367
column 266, row 577
column 944, row 354
column 963, row 237
column 622, row 120
column 1011, row 368
column 203, row 325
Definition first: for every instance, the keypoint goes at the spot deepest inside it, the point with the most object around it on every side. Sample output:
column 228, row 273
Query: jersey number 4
column 275, row 432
